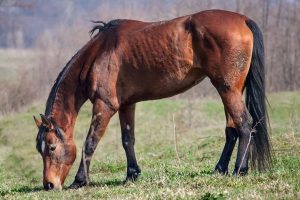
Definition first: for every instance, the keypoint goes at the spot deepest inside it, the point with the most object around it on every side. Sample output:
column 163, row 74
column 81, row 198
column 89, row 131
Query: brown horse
column 130, row 61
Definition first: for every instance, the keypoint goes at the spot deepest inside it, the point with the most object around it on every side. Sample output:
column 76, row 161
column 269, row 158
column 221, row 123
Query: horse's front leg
column 101, row 116
column 126, row 114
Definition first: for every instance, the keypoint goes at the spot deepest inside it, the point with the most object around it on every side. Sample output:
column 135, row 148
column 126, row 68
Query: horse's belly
column 150, row 85
column 169, row 85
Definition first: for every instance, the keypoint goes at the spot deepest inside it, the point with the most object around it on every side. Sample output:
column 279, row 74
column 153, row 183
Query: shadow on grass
column 22, row 189
column 210, row 196
column 114, row 182
column 27, row 189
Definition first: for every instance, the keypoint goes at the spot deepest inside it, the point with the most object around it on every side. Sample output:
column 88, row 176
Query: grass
column 200, row 132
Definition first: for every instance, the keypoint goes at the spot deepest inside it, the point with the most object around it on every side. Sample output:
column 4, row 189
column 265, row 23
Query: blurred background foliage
column 38, row 37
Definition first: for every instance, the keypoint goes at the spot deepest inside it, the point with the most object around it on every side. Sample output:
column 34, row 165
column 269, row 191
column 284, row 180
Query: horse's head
column 58, row 152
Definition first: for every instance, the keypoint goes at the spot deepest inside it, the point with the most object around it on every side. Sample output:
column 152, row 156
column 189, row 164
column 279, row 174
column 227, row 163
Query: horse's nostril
column 48, row 186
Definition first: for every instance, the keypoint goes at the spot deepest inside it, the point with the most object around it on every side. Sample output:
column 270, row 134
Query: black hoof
column 132, row 174
column 242, row 172
column 219, row 170
column 77, row 184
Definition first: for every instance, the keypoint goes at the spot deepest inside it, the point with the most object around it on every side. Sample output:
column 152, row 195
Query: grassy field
column 200, row 134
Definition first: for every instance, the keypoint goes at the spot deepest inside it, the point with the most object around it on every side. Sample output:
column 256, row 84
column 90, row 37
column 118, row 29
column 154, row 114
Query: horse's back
column 160, row 59
column 153, row 54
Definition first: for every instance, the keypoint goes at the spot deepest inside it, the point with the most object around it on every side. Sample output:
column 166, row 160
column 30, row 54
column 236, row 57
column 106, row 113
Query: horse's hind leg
column 126, row 114
column 242, row 120
column 231, row 138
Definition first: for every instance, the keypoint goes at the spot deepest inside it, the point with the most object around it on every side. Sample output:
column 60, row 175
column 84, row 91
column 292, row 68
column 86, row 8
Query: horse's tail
column 256, row 102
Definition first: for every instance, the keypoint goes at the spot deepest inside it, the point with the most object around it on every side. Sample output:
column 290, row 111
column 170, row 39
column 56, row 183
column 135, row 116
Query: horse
column 129, row 61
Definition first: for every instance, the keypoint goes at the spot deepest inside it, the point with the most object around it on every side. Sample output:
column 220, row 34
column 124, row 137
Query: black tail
column 256, row 102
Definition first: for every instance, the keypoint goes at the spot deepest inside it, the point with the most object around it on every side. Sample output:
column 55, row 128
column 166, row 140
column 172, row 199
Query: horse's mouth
column 55, row 185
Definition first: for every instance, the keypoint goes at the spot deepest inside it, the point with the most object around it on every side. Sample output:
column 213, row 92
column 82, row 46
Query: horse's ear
column 37, row 122
column 46, row 122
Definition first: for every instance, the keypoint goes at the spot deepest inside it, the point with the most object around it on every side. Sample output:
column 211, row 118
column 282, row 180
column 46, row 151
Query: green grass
column 200, row 132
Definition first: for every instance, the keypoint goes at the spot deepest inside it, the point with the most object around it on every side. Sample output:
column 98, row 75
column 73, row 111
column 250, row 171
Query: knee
column 89, row 151
column 90, row 147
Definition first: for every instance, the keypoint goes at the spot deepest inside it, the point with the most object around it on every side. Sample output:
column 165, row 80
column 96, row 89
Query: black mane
column 53, row 91
column 102, row 26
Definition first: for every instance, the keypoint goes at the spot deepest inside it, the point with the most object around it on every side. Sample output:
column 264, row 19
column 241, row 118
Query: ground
column 200, row 139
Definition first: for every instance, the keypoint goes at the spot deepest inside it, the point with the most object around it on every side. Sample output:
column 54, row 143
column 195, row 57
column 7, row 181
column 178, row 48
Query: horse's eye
column 52, row 147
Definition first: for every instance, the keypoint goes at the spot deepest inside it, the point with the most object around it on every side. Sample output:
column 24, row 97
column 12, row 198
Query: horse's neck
column 68, row 100
column 70, row 94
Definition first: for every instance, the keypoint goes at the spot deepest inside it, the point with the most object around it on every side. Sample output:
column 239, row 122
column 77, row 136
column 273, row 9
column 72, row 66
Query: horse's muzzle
column 48, row 186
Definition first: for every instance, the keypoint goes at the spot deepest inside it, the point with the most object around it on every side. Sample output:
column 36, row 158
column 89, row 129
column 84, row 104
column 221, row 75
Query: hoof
column 242, row 172
column 219, row 170
column 132, row 174
column 77, row 184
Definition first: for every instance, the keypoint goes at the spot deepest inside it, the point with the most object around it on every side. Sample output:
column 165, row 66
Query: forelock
column 40, row 138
